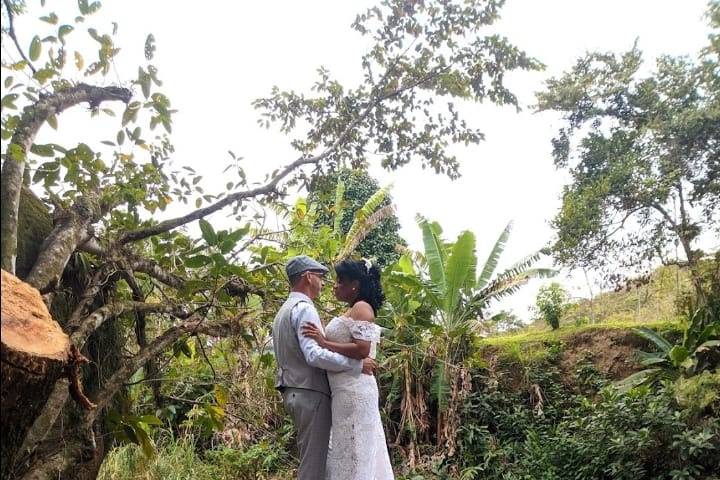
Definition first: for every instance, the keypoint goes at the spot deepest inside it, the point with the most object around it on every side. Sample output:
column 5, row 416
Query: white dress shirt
column 315, row 355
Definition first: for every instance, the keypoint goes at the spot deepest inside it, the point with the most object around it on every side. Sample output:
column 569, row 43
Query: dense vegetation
column 179, row 382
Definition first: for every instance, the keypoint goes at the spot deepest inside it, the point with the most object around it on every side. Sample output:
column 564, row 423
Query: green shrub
column 643, row 434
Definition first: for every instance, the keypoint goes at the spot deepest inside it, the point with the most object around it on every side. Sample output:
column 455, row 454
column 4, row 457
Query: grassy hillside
column 640, row 301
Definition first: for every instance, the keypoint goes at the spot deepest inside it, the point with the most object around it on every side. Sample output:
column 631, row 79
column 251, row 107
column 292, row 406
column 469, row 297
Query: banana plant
column 461, row 297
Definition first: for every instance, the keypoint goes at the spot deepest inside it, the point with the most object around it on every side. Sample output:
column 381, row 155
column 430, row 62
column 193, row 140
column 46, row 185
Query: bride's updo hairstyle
column 368, row 277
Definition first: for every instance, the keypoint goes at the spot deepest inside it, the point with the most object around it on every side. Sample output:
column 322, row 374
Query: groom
column 302, row 364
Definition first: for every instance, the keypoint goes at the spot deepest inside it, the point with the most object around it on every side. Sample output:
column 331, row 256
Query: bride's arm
column 358, row 349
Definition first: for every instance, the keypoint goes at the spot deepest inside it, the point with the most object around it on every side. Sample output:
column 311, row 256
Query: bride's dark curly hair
column 370, row 289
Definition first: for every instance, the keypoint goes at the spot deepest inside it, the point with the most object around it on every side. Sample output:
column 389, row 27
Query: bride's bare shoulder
column 362, row 311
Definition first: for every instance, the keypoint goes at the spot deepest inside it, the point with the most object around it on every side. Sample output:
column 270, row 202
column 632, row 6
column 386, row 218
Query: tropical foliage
column 698, row 350
column 168, row 319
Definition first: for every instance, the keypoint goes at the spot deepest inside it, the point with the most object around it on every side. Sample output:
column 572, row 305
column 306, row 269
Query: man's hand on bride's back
column 369, row 366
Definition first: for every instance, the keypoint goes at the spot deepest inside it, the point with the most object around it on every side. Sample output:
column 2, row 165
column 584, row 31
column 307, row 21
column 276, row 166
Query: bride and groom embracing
column 326, row 375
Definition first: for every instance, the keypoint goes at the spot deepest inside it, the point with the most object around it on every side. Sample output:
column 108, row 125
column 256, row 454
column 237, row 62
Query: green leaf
column 35, row 48
column 79, row 61
column 130, row 113
column 440, row 388
column 63, row 31
column 221, row 395
column 637, row 379
column 650, row 361
column 130, row 433
column 145, row 442
column 208, row 233
column 654, row 337
column 16, row 152
column 8, row 101
column 460, row 269
column 678, row 354
column 492, row 260
column 197, row 261
column 144, row 80
column 45, row 74
column 43, row 150
column 226, row 246
column 434, row 251
column 52, row 121
column 52, row 19
column 151, row 420
column 338, row 207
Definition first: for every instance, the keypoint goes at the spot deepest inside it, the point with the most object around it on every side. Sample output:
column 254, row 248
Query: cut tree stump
column 33, row 353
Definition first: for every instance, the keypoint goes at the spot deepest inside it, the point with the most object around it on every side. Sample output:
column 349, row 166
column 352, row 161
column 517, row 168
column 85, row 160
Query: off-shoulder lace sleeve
column 363, row 330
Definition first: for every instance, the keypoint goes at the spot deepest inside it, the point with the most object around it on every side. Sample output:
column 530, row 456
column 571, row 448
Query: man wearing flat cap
column 302, row 364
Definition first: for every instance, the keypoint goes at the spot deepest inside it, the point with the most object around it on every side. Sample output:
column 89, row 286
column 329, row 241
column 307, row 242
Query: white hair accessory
column 368, row 264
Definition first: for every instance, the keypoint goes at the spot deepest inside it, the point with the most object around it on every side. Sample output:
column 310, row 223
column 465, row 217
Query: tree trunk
column 33, row 352
column 34, row 226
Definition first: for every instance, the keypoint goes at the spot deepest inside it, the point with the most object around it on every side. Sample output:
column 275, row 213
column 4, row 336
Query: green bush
column 644, row 434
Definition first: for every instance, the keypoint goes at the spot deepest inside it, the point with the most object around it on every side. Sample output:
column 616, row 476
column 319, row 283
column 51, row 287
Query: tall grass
column 177, row 459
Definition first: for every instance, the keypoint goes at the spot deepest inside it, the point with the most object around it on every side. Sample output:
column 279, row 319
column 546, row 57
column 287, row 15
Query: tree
column 551, row 302
column 645, row 171
column 358, row 186
column 140, row 276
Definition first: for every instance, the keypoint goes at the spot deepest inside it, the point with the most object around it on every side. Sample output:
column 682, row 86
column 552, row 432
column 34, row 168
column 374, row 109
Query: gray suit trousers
column 312, row 415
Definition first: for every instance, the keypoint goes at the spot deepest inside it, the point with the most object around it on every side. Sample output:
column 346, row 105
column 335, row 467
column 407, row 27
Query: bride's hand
column 312, row 331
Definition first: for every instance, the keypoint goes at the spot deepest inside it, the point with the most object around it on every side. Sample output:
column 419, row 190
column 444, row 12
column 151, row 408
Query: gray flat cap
column 303, row 263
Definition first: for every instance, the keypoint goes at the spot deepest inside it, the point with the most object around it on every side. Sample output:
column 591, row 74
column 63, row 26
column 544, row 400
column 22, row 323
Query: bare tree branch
column 151, row 268
column 192, row 327
column 93, row 321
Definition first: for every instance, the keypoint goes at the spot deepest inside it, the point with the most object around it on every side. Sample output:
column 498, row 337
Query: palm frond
column 460, row 271
column 509, row 282
column 351, row 243
column 492, row 260
column 636, row 379
column 370, row 206
column 526, row 262
column 435, row 253
column 654, row 337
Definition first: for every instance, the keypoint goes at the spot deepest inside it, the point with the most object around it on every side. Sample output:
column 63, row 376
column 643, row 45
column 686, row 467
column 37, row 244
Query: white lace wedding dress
column 357, row 442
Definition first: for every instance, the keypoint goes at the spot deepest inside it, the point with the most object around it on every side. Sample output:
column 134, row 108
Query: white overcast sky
column 215, row 57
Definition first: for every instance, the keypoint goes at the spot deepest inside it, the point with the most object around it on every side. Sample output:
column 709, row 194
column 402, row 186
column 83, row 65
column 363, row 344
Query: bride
column 357, row 441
